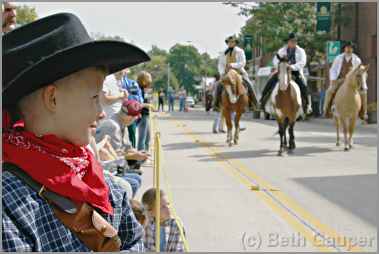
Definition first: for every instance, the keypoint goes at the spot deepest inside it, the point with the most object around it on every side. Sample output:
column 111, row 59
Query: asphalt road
column 246, row 198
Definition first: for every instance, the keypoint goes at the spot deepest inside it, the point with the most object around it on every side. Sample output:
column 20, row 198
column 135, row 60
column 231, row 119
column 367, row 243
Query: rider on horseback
column 342, row 64
column 297, row 60
column 234, row 58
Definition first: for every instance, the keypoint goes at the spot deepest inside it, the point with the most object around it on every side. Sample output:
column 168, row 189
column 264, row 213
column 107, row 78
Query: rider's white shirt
column 239, row 64
column 335, row 70
column 300, row 56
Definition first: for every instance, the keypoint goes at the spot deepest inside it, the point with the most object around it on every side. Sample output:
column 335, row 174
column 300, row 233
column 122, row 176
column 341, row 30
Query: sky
column 204, row 25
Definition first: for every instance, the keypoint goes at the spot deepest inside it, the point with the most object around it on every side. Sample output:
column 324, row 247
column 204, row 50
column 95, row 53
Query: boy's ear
column 49, row 94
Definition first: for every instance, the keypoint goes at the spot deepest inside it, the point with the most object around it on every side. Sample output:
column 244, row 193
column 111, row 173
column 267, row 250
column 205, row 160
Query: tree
column 157, row 67
column 185, row 62
column 270, row 23
column 186, row 67
column 25, row 14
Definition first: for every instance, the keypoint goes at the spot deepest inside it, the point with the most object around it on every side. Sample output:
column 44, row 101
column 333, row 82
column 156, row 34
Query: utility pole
column 168, row 76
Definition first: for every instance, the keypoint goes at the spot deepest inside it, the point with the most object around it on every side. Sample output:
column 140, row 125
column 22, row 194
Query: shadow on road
column 189, row 145
column 356, row 193
column 195, row 133
column 363, row 141
column 300, row 151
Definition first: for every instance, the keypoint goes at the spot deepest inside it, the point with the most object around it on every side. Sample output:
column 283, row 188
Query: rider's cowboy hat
column 53, row 47
column 291, row 36
column 231, row 38
column 348, row 44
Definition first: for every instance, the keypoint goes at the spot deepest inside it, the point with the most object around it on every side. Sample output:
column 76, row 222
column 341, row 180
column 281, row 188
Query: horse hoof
column 346, row 149
column 280, row 153
column 230, row 144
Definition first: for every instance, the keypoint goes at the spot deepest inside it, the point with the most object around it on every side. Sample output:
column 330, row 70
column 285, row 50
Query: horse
column 347, row 104
column 234, row 100
column 286, row 103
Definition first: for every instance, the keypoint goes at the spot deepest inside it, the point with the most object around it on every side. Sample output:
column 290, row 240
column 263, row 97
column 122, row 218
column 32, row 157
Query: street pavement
column 246, row 198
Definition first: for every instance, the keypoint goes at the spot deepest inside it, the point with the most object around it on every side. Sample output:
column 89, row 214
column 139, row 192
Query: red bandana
column 64, row 168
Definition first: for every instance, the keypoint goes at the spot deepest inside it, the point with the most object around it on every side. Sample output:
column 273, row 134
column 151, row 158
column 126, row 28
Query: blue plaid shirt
column 29, row 223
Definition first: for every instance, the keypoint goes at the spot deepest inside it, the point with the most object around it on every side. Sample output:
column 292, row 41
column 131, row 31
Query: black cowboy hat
column 53, row 47
column 348, row 44
column 232, row 37
column 291, row 36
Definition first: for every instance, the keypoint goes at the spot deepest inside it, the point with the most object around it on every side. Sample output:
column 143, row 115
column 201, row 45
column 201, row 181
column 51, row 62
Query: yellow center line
column 325, row 245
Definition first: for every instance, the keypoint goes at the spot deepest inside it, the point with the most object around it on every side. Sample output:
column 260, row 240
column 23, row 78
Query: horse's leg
column 281, row 133
column 351, row 131
column 237, row 126
column 292, row 136
column 286, row 121
column 337, row 122
column 344, row 128
column 229, row 125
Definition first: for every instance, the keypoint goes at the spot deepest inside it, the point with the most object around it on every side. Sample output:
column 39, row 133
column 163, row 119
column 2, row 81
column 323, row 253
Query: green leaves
column 270, row 23
column 25, row 14
column 186, row 63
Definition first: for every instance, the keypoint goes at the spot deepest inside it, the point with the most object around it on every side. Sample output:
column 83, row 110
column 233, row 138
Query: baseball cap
column 132, row 107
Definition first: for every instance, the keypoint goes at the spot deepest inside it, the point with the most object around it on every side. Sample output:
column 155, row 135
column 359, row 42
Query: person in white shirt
column 342, row 64
column 234, row 58
column 297, row 59
column 113, row 95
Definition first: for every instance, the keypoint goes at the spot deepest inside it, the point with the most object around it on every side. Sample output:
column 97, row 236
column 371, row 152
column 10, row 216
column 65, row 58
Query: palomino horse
column 286, row 101
column 233, row 88
column 347, row 104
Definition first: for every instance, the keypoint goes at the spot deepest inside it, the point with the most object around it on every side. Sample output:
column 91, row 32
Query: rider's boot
column 253, row 102
column 329, row 98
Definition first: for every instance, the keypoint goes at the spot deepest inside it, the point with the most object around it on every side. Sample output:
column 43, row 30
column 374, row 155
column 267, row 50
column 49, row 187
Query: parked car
column 190, row 101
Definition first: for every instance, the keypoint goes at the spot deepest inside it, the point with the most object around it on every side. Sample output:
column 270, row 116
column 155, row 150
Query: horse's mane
column 352, row 73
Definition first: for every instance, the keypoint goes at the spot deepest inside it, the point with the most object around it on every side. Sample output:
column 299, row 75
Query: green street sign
column 333, row 50
column 248, row 46
column 323, row 17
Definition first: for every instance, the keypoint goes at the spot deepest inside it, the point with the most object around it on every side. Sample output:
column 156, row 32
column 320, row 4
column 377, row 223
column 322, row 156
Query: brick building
column 362, row 30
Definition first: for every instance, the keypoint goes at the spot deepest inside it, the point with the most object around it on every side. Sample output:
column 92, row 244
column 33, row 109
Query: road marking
column 302, row 221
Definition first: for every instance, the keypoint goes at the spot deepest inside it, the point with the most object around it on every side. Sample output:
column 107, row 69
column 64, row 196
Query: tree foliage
column 25, row 14
column 187, row 65
column 270, row 24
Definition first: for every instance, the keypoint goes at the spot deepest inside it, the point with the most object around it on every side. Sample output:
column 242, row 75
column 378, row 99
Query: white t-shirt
column 111, row 87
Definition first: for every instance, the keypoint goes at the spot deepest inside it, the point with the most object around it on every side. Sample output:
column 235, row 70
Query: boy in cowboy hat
column 51, row 86
column 297, row 60
column 234, row 58
column 340, row 67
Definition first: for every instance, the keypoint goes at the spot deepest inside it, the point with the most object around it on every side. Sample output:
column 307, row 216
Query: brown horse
column 347, row 104
column 234, row 99
column 286, row 101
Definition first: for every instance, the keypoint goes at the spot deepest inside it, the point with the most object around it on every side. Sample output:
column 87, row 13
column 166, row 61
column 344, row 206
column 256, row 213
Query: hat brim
column 227, row 41
column 113, row 55
column 290, row 39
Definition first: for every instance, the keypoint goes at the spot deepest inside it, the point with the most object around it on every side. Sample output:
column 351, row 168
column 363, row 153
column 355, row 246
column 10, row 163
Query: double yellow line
column 320, row 235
